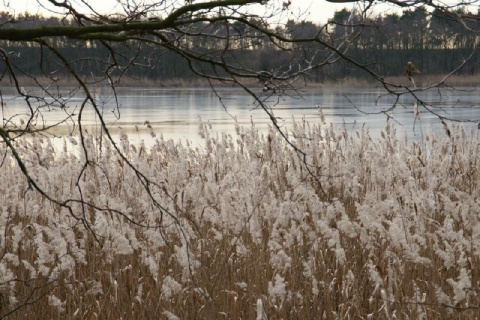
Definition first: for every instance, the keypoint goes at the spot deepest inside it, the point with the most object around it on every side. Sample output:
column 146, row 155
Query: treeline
column 436, row 43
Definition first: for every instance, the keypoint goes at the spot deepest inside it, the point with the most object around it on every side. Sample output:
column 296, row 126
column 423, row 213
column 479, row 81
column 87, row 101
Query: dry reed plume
column 386, row 229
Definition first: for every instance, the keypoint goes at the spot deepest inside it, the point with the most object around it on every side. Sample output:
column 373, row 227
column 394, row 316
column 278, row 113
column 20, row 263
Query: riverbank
column 348, row 82
column 402, row 81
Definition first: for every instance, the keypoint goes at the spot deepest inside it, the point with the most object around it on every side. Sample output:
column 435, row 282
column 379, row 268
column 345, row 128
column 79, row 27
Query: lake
column 176, row 112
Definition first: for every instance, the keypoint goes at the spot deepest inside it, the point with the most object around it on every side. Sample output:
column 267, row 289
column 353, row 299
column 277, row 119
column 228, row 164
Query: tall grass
column 383, row 229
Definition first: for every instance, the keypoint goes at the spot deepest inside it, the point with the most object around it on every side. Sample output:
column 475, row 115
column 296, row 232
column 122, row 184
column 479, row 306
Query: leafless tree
column 210, row 37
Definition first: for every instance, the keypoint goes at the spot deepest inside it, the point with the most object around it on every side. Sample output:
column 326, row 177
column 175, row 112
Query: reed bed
column 248, row 228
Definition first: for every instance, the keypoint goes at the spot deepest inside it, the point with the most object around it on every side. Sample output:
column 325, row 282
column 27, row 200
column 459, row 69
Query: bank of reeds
column 367, row 229
column 423, row 80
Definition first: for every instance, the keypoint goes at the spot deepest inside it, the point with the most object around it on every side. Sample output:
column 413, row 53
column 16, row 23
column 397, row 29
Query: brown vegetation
column 422, row 80
column 388, row 229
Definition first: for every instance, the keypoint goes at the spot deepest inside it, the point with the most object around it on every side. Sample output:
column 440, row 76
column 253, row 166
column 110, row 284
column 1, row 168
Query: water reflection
column 175, row 112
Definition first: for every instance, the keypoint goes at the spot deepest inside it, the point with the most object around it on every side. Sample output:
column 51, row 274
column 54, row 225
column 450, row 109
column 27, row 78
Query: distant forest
column 436, row 45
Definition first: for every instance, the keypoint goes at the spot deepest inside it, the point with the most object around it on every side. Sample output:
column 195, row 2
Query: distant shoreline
column 421, row 81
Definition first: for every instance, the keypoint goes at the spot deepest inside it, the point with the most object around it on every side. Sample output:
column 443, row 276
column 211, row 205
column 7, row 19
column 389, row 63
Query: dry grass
column 385, row 229
column 125, row 82
column 422, row 80
column 348, row 82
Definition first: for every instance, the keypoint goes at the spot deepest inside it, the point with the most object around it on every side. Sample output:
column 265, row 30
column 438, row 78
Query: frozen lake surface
column 176, row 112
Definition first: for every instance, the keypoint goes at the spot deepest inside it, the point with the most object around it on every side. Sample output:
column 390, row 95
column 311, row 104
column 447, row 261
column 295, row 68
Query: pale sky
column 318, row 10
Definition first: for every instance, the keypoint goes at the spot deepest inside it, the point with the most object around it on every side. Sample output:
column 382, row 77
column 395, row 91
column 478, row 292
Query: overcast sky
column 319, row 10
